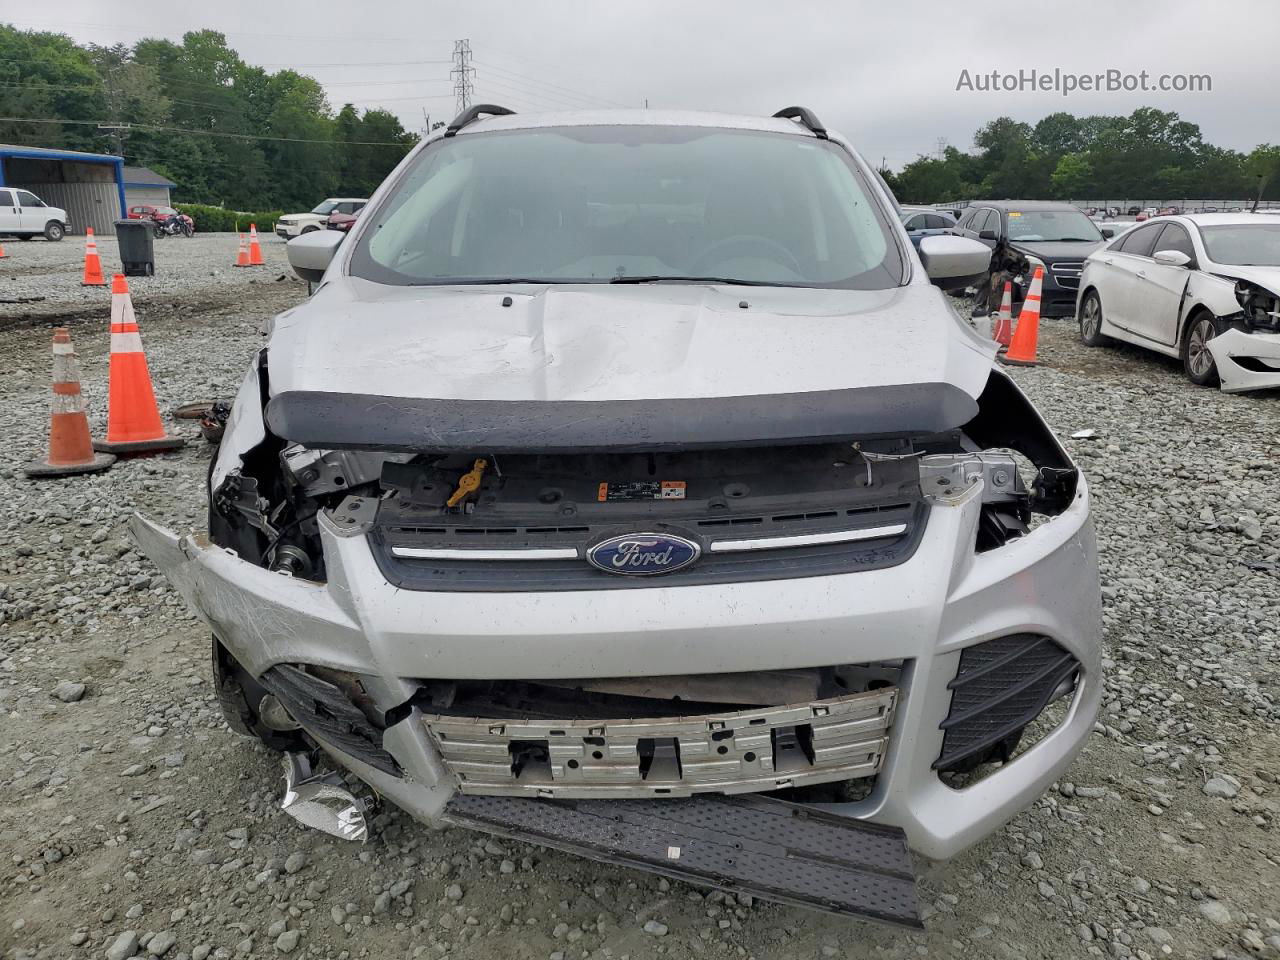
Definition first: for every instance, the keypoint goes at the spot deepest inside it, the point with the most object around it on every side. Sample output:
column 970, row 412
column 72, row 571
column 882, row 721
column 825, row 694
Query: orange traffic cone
column 70, row 448
column 1022, row 350
column 1004, row 317
column 2, row 253
column 242, row 257
column 92, row 265
column 255, row 251
column 133, row 419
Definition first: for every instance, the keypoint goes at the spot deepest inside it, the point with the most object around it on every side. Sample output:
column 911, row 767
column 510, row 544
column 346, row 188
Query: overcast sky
column 885, row 73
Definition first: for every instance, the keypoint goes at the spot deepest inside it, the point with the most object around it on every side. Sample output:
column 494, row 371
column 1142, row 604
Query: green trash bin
column 137, row 247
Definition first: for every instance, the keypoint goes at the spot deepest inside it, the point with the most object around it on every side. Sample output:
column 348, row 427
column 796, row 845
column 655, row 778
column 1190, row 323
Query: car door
column 32, row 213
column 1119, row 284
column 1160, row 288
column 8, row 212
column 915, row 226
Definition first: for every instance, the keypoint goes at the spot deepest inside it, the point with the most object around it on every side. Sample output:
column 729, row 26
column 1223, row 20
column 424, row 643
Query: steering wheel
column 772, row 247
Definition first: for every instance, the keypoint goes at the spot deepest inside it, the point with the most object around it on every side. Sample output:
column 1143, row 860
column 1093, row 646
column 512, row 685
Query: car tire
column 237, row 693
column 311, row 229
column 54, row 231
column 1197, row 361
column 1091, row 334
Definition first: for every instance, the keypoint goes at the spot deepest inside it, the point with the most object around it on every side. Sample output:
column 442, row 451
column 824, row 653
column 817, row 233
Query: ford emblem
column 643, row 554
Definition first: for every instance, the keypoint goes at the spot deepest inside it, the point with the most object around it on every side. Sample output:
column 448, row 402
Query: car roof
column 1024, row 204
column 1219, row 219
column 652, row 118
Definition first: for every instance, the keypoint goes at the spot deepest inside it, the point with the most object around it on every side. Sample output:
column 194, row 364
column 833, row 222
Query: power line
column 462, row 73
column 554, row 86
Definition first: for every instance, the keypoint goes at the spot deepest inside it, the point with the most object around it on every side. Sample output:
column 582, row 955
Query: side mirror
column 311, row 253
column 954, row 263
column 1172, row 258
column 1108, row 233
column 988, row 235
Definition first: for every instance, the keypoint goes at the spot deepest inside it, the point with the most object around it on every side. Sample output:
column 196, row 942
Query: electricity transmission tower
column 462, row 73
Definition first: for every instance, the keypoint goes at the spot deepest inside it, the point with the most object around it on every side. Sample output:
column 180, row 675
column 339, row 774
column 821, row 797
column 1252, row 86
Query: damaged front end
column 688, row 610
column 1246, row 350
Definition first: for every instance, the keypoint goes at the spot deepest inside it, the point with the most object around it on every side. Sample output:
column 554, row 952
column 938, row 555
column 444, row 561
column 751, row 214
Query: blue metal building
column 89, row 186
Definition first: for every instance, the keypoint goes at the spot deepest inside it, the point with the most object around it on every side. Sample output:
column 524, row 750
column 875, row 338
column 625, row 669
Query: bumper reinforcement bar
column 767, row 848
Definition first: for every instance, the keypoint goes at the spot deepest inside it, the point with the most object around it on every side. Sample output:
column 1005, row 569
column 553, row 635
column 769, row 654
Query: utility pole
column 462, row 73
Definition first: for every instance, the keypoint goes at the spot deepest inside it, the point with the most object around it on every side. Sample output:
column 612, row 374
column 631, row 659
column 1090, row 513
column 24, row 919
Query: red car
column 147, row 211
column 343, row 221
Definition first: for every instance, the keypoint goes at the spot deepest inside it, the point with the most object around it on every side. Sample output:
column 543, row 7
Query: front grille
column 572, row 572
column 765, row 748
column 1001, row 686
column 323, row 709
column 1066, row 273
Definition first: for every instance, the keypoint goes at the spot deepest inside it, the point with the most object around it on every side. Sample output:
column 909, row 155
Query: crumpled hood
column 1268, row 277
column 592, row 342
column 1054, row 250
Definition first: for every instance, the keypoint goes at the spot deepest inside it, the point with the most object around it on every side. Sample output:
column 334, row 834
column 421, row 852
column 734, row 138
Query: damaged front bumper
column 1246, row 360
column 923, row 613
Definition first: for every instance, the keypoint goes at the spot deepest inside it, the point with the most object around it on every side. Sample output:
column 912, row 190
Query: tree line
column 226, row 132
column 1150, row 153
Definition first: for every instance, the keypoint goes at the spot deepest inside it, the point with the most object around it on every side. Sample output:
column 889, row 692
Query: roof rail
column 806, row 118
column 472, row 114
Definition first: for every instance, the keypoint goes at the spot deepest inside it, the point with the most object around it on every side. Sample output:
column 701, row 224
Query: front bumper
column 923, row 612
column 1246, row 361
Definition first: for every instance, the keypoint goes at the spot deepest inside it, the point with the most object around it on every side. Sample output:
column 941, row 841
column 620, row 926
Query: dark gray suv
column 1022, row 232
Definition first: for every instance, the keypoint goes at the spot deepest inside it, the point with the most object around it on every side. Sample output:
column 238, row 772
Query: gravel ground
column 133, row 822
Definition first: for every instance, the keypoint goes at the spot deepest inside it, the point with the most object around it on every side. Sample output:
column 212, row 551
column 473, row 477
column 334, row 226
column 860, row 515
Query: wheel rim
column 1092, row 317
column 1199, row 359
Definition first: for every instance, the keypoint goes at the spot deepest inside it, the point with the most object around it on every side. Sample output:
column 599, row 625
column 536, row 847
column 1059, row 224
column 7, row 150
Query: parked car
column 621, row 458
column 921, row 222
column 1023, row 233
column 164, row 215
column 24, row 215
column 296, row 224
column 342, row 221
column 1204, row 288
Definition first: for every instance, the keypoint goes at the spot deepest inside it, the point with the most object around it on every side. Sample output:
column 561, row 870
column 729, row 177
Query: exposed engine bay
column 751, row 513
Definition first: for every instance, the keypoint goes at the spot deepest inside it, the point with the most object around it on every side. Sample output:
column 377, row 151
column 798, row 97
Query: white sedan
column 1203, row 288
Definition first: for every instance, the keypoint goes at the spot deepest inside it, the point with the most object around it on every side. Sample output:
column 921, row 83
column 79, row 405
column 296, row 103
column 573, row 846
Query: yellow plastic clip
column 469, row 482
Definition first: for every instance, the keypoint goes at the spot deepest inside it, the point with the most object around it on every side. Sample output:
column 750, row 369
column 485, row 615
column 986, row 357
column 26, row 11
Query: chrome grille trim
column 482, row 553
column 738, row 752
column 808, row 539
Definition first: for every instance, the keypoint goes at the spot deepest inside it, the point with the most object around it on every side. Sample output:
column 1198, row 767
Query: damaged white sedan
column 626, row 486
column 1203, row 288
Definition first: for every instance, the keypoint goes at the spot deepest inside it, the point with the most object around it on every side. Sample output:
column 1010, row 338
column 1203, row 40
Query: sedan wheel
column 1197, row 361
column 1091, row 321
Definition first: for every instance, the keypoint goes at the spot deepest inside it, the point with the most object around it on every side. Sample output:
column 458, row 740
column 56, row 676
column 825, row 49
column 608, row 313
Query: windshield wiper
column 659, row 278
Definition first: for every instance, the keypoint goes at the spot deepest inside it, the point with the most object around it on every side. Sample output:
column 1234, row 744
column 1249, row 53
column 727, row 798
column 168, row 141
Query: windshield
column 1033, row 226
column 1244, row 245
column 630, row 204
column 325, row 207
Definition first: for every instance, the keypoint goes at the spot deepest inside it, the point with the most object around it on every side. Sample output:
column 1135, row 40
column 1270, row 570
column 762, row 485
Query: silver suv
column 629, row 485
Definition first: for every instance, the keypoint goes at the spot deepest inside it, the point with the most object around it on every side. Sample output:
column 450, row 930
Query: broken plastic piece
column 321, row 801
column 1084, row 434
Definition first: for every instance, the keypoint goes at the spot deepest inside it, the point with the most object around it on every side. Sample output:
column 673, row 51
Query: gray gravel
column 135, row 823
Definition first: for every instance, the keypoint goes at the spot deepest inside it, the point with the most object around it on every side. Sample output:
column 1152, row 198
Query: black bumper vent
column 325, row 711
column 1002, row 685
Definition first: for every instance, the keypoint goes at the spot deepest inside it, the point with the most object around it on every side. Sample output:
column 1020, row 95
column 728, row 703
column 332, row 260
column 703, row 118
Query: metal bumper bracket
column 767, row 848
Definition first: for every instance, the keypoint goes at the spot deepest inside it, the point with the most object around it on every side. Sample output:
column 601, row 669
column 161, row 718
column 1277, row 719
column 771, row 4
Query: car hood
column 1055, row 250
column 606, row 343
column 1268, row 277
